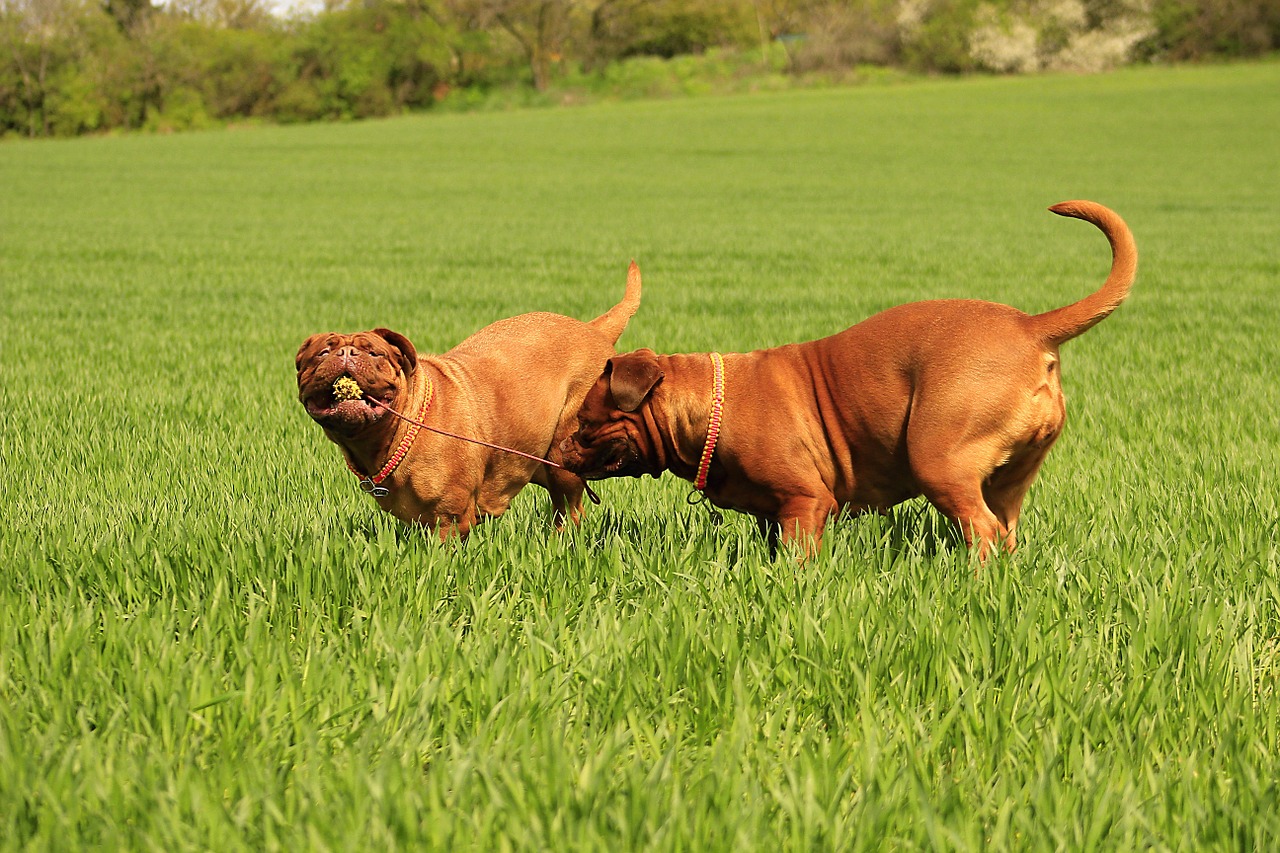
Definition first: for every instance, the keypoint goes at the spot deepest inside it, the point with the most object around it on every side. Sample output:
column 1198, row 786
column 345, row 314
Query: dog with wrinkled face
column 515, row 383
column 958, row 400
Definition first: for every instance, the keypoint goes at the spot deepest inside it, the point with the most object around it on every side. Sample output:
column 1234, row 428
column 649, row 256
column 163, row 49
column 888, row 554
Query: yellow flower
column 346, row 388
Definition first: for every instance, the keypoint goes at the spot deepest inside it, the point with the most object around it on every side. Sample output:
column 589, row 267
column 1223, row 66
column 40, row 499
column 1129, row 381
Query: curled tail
column 1063, row 324
column 614, row 321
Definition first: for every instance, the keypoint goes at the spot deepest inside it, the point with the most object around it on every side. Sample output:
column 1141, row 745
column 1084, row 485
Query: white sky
column 285, row 8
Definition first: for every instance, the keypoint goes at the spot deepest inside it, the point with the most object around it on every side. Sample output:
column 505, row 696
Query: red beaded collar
column 373, row 485
column 713, row 428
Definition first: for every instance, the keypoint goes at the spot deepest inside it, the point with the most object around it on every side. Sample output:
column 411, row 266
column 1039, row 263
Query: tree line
column 80, row 66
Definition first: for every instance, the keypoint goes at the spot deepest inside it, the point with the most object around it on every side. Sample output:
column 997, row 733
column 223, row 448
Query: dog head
column 380, row 361
column 610, row 435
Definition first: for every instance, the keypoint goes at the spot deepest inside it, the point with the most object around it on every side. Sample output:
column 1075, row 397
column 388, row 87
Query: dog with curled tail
column 957, row 400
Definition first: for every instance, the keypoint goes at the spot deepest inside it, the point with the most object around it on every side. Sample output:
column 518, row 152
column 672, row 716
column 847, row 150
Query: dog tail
column 614, row 321
column 1063, row 324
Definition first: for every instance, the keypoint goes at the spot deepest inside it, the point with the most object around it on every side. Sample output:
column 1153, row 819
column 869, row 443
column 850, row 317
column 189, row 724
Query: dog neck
column 675, row 425
column 368, row 451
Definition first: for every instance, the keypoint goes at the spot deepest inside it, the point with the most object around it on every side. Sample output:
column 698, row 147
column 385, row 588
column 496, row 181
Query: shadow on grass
column 618, row 523
column 911, row 530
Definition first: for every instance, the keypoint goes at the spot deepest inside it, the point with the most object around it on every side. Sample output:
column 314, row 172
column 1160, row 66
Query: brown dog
column 516, row 383
column 958, row 400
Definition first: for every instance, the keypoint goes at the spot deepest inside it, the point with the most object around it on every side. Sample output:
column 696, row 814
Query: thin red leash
column 595, row 499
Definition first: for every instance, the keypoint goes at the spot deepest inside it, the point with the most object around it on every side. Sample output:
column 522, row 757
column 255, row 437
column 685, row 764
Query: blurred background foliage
column 70, row 67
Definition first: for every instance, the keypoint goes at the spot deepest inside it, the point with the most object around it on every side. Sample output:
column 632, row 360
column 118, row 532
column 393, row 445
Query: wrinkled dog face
column 380, row 361
column 606, row 442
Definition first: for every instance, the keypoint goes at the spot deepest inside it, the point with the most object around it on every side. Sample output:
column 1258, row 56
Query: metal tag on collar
column 696, row 497
column 373, row 488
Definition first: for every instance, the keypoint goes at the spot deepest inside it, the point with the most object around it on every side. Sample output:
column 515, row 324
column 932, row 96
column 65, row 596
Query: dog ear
column 632, row 376
column 298, row 359
column 408, row 356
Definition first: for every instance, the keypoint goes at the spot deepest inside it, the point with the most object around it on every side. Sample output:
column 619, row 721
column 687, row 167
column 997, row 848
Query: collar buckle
column 696, row 497
column 372, row 488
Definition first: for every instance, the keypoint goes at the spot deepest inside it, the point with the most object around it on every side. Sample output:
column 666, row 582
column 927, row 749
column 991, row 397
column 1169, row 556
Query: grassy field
column 209, row 638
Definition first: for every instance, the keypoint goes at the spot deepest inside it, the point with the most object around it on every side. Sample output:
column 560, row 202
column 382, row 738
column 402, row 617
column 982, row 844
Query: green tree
column 367, row 61
column 667, row 28
column 541, row 29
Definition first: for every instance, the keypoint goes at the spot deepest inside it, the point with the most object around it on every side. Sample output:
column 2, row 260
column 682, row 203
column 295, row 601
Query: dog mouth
column 613, row 463
column 325, row 405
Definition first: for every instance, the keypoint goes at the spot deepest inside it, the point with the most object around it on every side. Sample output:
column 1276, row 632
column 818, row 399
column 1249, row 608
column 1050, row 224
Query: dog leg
column 953, row 484
column 460, row 526
column 1006, row 488
column 968, row 511
column 566, row 497
column 801, row 520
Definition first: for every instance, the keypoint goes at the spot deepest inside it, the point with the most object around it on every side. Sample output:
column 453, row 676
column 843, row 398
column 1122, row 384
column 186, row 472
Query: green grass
column 210, row 639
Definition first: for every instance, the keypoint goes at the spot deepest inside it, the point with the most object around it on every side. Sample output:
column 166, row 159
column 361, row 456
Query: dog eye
column 324, row 352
